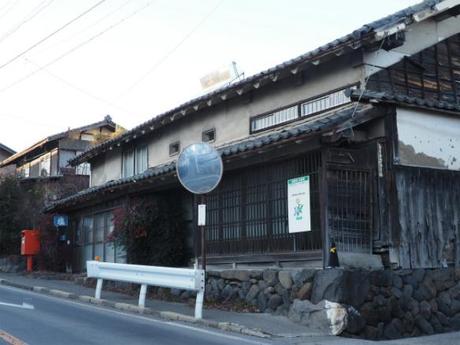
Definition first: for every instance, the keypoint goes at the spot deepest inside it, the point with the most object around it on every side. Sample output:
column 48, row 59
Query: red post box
column 30, row 245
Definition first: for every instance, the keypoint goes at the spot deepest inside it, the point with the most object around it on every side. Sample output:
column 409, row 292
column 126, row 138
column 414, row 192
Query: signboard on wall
column 60, row 220
column 299, row 216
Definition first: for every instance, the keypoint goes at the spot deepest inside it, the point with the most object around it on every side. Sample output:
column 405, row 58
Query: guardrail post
column 200, row 281
column 142, row 294
column 98, row 288
column 199, row 305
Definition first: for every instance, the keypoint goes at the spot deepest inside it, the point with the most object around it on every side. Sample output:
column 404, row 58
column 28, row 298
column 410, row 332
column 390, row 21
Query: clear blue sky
column 134, row 59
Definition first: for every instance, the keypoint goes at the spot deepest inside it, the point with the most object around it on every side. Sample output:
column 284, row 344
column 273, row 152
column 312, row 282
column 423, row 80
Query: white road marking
column 169, row 323
column 10, row 339
column 22, row 306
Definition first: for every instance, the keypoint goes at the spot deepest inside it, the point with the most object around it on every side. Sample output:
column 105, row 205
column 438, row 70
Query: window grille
column 208, row 135
column 247, row 213
column 273, row 119
column 300, row 110
column 349, row 209
column 174, row 148
column 323, row 103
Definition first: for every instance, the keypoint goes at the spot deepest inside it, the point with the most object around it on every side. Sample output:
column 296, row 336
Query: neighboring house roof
column 107, row 121
column 350, row 115
column 7, row 149
column 367, row 34
column 386, row 97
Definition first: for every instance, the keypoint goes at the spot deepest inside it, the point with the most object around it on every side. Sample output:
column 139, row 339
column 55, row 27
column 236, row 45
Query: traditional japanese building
column 46, row 162
column 373, row 120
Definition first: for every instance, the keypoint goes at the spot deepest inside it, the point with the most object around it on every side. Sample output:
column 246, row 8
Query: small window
column 326, row 102
column 99, row 227
column 304, row 109
column 141, row 159
column 83, row 169
column 86, row 137
column 273, row 119
column 88, row 230
column 208, row 135
column 174, row 148
column 45, row 165
column 128, row 163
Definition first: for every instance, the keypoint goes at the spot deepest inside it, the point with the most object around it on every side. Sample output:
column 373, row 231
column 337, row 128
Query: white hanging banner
column 299, row 204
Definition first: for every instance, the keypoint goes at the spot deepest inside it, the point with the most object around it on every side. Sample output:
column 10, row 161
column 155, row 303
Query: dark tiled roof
column 316, row 125
column 385, row 97
column 354, row 40
column 107, row 121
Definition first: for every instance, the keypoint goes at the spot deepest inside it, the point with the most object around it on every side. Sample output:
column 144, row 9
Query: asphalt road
column 49, row 320
column 34, row 319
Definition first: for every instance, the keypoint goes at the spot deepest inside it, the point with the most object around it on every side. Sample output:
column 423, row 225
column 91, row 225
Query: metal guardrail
column 177, row 278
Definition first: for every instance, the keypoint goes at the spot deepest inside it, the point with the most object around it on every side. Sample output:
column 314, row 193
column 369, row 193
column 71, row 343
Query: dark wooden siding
column 429, row 217
column 434, row 73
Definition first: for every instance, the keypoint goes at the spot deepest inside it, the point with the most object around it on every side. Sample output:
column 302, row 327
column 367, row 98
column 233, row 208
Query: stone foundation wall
column 12, row 263
column 269, row 291
column 370, row 304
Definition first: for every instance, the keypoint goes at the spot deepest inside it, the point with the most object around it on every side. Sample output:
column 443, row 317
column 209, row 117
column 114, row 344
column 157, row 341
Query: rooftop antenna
column 221, row 77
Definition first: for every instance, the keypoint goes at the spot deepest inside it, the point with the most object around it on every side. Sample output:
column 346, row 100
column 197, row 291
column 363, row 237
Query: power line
column 70, row 51
column 8, row 10
column 66, row 39
column 52, row 34
column 366, row 79
column 79, row 89
column 168, row 54
column 36, row 11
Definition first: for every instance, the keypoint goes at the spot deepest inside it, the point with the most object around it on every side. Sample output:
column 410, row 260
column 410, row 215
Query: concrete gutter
column 166, row 315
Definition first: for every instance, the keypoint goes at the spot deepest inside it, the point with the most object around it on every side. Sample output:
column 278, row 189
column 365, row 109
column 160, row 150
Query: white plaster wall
column 428, row 139
column 107, row 168
column 231, row 119
column 232, row 122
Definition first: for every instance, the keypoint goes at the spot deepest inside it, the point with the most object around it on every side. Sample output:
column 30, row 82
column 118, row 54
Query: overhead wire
column 366, row 79
column 35, row 12
column 169, row 53
column 79, row 89
column 99, row 20
column 47, row 37
column 8, row 10
column 6, row 5
column 73, row 49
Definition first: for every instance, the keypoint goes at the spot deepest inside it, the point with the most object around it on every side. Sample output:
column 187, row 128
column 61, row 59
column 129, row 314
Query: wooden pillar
column 323, row 205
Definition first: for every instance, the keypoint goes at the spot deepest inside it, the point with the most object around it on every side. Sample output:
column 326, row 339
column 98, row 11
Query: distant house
column 371, row 120
column 5, row 152
column 46, row 161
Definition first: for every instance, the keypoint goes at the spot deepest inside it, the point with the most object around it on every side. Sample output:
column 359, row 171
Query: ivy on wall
column 152, row 230
column 11, row 198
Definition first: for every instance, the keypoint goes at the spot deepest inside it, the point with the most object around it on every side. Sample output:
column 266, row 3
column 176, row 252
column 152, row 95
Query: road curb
column 225, row 326
column 16, row 285
column 166, row 315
